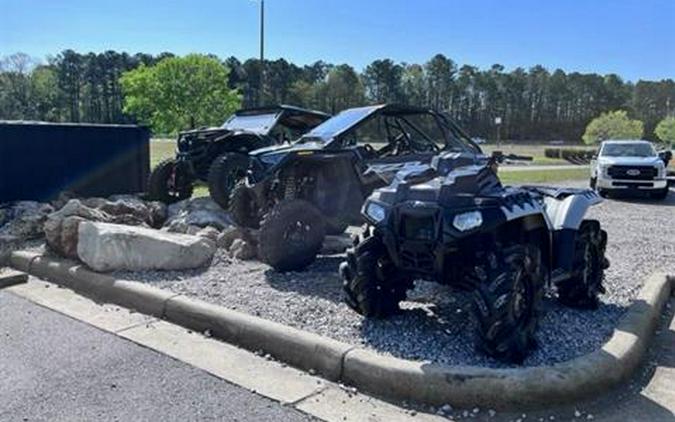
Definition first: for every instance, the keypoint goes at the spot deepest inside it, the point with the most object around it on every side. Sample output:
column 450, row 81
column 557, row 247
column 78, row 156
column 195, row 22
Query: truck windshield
column 628, row 150
column 256, row 123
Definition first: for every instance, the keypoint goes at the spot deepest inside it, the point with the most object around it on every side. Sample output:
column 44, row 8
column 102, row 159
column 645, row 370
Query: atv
column 454, row 223
column 218, row 156
column 296, row 194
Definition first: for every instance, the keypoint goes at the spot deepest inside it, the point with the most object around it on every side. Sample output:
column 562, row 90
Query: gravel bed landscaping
column 437, row 325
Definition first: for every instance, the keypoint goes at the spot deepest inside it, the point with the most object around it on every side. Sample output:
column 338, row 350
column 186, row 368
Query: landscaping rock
column 60, row 228
column 108, row 247
column 240, row 243
column 24, row 219
column 200, row 212
column 208, row 233
column 243, row 250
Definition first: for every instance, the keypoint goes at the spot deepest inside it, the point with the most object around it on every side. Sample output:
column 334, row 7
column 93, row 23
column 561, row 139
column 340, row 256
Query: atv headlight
column 468, row 220
column 375, row 211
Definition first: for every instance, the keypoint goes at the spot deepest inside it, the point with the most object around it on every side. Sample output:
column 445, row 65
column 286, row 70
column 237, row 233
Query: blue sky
column 635, row 39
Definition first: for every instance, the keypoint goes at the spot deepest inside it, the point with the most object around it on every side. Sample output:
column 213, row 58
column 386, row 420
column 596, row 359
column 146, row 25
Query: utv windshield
column 256, row 123
column 628, row 150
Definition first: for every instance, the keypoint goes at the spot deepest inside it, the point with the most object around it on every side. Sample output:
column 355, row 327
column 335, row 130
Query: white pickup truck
column 629, row 166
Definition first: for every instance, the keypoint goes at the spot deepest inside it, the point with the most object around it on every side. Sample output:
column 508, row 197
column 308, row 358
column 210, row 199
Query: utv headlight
column 375, row 211
column 468, row 220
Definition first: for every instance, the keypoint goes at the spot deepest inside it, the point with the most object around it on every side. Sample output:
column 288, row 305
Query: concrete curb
column 502, row 389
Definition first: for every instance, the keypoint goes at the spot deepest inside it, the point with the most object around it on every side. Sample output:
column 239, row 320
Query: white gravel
column 437, row 325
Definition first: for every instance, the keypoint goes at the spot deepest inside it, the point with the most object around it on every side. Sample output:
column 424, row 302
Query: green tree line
column 534, row 103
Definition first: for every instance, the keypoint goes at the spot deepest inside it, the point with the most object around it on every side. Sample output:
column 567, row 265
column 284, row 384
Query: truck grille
column 632, row 172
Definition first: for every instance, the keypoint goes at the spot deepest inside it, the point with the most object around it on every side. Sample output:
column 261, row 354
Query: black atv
column 298, row 193
column 218, row 156
column 454, row 223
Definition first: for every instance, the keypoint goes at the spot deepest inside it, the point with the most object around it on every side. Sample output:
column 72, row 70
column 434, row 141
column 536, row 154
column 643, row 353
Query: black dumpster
column 38, row 160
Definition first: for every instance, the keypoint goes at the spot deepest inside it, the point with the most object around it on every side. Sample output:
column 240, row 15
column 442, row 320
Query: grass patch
column 160, row 150
column 543, row 176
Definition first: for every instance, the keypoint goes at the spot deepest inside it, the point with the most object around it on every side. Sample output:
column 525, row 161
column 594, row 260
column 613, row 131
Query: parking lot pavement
column 55, row 368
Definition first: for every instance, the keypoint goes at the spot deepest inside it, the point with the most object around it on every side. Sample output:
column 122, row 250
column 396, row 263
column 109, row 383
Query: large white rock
column 109, row 247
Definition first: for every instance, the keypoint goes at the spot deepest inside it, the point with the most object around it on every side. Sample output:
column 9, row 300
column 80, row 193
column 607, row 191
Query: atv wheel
column 371, row 284
column 168, row 183
column 507, row 301
column 224, row 173
column 291, row 235
column 583, row 288
column 660, row 194
column 243, row 209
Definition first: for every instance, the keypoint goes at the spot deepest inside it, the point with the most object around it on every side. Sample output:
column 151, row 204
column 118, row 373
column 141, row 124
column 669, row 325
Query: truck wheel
column 372, row 286
column 583, row 288
column 594, row 182
column 661, row 194
column 291, row 235
column 224, row 173
column 168, row 183
column 243, row 208
column 507, row 300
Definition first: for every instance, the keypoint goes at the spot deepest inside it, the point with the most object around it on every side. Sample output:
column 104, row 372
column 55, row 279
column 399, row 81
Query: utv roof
column 352, row 117
column 274, row 108
column 626, row 141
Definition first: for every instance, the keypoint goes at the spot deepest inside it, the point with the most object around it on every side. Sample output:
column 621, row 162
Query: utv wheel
column 507, row 301
column 291, row 235
column 168, row 183
column 224, row 173
column 371, row 284
column 243, row 208
column 583, row 288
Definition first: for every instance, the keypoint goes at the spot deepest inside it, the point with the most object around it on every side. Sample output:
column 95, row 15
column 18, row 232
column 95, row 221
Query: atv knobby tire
column 167, row 183
column 372, row 286
column 507, row 299
column 225, row 171
column 243, row 208
column 589, row 263
column 291, row 235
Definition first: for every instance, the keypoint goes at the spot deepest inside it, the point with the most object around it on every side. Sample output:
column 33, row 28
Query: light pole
column 262, row 53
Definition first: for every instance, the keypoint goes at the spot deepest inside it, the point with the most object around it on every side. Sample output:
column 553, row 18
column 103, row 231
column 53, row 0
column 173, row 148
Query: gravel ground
column 437, row 325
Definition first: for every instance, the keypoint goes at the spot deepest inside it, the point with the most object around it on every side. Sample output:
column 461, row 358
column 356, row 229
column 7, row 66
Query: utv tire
column 225, row 171
column 371, row 284
column 168, row 184
column 507, row 301
column 243, row 208
column 583, row 288
column 291, row 235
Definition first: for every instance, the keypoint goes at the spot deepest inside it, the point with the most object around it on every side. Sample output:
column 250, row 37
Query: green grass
column 543, row 176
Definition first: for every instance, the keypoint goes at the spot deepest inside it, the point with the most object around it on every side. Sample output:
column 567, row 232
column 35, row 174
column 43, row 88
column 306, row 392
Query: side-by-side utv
column 298, row 193
column 218, row 156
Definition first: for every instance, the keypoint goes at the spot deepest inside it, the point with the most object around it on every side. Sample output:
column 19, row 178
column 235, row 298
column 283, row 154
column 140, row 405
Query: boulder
column 62, row 238
column 241, row 249
column 200, row 212
column 24, row 219
column 108, row 247
column 208, row 233
column 239, row 242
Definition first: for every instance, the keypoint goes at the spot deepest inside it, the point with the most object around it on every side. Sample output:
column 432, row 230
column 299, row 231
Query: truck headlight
column 375, row 211
column 468, row 220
